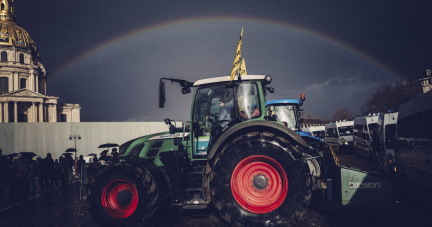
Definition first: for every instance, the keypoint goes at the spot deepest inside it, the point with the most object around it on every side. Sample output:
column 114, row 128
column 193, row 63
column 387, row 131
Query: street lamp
column 75, row 138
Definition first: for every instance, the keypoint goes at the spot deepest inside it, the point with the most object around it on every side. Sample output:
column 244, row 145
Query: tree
column 341, row 114
column 391, row 96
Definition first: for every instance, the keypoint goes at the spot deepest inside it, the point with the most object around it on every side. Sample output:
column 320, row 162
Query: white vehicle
column 339, row 135
column 317, row 131
column 366, row 135
column 386, row 155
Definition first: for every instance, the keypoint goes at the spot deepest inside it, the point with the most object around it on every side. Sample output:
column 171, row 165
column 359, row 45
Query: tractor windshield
column 286, row 113
column 248, row 100
column 216, row 104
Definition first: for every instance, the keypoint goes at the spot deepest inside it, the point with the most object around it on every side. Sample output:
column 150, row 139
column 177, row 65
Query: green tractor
column 254, row 171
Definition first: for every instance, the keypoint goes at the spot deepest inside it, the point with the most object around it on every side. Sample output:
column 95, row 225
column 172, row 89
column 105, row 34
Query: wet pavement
column 63, row 208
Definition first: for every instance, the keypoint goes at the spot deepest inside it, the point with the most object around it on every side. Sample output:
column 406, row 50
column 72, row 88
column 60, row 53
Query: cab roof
column 283, row 101
column 227, row 79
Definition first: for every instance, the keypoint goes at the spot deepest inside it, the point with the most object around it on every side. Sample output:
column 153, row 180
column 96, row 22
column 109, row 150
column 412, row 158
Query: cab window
column 213, row 105
column 248, row 100
column 286, row 114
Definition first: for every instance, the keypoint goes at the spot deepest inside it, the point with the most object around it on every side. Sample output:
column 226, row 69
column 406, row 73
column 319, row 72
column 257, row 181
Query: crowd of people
column 104, row 156
column 24, row 174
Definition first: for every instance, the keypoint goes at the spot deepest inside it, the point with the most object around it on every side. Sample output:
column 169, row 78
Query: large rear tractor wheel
column 257, row 181
column 125, row 195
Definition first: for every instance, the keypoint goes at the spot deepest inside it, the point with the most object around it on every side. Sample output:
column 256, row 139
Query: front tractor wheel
column 257, row 182
column 125, row 195
column 120, row 198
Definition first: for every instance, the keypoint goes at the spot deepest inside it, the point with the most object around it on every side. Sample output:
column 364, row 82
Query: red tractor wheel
column 257, row 181
column 126, row 195
column 120, row 198
column 259, row 184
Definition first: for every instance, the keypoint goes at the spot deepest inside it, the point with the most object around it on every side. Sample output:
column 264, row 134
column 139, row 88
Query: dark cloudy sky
column 108, row 55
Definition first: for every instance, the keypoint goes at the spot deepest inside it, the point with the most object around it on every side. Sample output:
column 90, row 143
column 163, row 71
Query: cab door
column 206, row 120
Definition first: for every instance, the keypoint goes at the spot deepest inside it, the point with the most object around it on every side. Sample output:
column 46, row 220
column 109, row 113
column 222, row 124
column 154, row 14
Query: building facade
column 23, row 78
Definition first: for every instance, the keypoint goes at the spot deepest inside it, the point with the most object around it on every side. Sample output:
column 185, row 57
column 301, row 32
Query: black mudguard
column 260, row 126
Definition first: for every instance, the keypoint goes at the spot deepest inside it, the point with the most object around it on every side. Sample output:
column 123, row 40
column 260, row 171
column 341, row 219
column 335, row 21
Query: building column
column 11, row 82
column 37, row 84
column 40, row 112
column 46, row 114
column 1, row 112
column 55, row 112
column 31, row 82
column 44, row 85
column 47, row 109
column 16, row 111
column 15, row 81
column 33, row 112
column 6, row 112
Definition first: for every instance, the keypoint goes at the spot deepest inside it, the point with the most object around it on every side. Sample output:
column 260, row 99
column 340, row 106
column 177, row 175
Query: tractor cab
column 288, row 111
column 220, row 103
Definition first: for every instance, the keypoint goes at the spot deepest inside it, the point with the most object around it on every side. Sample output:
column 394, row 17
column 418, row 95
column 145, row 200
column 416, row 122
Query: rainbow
column 202, row 22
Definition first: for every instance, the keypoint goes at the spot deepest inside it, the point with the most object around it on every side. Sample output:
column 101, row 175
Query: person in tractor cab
column 224, row 118
column 247, row 111
column 225, row 113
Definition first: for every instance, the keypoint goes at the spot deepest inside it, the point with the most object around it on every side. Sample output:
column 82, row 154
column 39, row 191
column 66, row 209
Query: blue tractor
column 288, row 112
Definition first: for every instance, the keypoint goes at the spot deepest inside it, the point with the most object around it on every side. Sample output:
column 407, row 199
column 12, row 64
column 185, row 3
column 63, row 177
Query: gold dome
column 7, row 10
column 10, row 33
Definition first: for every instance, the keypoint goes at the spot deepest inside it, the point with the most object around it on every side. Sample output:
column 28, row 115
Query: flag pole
column 239, row 69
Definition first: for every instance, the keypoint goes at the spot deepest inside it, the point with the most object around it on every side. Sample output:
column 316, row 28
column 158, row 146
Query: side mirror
column 270, row 89
column 161, row 94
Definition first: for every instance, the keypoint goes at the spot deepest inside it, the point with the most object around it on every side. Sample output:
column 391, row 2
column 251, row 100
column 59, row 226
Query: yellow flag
column 237, row 58
column 243, row 70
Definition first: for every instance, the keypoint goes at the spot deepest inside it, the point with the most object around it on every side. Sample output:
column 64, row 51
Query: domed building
column 23, row 78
